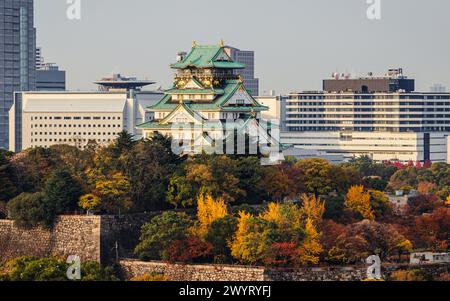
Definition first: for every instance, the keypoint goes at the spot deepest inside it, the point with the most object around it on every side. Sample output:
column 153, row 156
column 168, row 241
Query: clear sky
column 297, row 42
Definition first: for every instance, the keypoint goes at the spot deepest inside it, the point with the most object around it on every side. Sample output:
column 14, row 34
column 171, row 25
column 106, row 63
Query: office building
column 48, row 75
column 42, row 119
column 50, row 78
column 248, row 73
column 370, row 118
column 17, row 56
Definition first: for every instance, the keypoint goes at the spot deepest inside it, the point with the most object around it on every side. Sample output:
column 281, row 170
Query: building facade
column 17, row 56
column 43, row 119
column 248, row 73
column 386, row 125
column 207, row 101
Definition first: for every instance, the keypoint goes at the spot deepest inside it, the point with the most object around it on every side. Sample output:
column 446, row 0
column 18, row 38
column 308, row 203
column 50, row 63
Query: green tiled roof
column 206, row 57
column 232, row 86
column 195, row 91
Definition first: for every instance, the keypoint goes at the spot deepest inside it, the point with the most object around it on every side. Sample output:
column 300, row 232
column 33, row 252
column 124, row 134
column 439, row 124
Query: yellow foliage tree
column 242, row 229
column 89, row 202
column 273, row 213
column 208, row 211
column 311, row 247
column 358, row 201
column 448, row 201
column 313, row 208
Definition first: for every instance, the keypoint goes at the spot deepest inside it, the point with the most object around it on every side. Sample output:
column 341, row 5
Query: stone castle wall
column 90, row 237
column 133, row 268
column 71, row 235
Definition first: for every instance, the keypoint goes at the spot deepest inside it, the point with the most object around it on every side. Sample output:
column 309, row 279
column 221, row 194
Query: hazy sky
column 297, row 42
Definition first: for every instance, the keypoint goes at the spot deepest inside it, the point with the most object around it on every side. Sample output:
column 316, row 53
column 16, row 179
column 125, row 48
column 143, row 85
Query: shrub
column 28, row 210
column 34, row 269
column 150, row 277
column 52, row 269
column 93, row 271
column 409, row 275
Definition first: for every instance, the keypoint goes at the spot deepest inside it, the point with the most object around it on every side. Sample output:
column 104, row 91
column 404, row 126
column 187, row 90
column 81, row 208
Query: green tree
column 220, row 235
column 160, row 232
column 28, row 210
column 7, row 187
column 61, row 192
column 149, row 166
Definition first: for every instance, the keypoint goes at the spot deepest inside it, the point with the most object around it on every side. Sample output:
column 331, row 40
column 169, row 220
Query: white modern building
column 377, row 116
column 42, row 119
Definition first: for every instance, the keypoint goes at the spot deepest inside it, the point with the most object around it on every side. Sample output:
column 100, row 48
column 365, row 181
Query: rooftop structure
column 119, row 82
column 392, row 81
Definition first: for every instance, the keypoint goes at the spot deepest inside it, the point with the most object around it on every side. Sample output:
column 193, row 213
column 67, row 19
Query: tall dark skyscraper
column 17, row 56
column 248, row 74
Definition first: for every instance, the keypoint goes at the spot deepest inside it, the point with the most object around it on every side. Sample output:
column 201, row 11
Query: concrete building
column 386, row 125
column 248, row 73
column 17, row 56
column 78, row 118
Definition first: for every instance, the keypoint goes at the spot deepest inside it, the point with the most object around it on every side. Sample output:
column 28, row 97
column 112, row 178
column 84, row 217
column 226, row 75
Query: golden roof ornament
column 222, row 43
column 240, row 78
column 194, row 43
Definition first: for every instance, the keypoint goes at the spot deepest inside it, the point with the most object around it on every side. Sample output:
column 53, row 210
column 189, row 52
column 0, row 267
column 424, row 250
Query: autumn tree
column 311, row 248
column 253, row 237
column 208, row 211
column 111, row 195
column 358, row 201
column 380, row 204
column 433, row 230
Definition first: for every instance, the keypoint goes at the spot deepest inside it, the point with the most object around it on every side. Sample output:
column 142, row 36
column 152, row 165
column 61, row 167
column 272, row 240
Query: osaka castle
column 208, row 104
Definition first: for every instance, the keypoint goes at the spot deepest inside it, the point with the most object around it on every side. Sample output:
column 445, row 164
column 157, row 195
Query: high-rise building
column 50, row 78
column 381, row 117
column 17, row 56
column 248, row 73
column 48, row 75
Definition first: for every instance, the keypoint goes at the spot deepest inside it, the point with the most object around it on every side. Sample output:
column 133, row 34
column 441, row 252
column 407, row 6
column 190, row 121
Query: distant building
column 50, row 78
column 438, row 88
column 429, row 257
column 17, row 56
column 380, row 117
column 42, row 119
column 248, row 73
column 48, row 75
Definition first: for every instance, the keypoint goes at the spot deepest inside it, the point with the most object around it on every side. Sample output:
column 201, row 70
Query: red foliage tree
column 433, row 230
column 282, row 254
column 188, row 250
